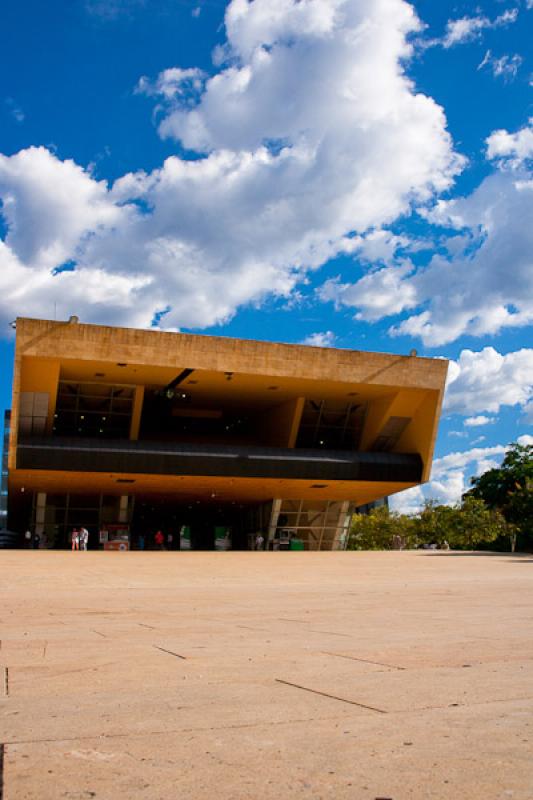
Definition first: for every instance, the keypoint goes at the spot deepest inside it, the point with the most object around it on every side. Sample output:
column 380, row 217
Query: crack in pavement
column 332, row 696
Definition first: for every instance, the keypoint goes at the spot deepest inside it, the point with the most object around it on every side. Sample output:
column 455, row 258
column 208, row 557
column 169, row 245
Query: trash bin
column 297, row 544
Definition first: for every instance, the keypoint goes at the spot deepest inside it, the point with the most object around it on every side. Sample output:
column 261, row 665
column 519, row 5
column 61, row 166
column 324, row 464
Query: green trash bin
column 297, row 544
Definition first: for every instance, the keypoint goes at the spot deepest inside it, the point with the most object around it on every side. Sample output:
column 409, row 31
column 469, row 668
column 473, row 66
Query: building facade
column 209, row 439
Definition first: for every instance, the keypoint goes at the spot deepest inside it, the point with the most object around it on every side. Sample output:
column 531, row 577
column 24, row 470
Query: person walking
column 75, row 537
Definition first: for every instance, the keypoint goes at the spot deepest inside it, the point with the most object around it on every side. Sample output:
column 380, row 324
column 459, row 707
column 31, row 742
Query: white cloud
column 514, row 147
column 312, row 135
column 467, row 29
column 483, row 284
column 525, row 440
column 489, row 285
column 377, row 294
column 505, row 67
column 50, row 206
column 476, row 422
column 175, row 84
column 487, row 380
column 463, row 30
column 324, row 339
column 450, row 478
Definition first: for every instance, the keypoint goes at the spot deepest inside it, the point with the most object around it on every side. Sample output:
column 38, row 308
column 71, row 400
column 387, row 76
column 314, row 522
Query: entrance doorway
column 198, row 525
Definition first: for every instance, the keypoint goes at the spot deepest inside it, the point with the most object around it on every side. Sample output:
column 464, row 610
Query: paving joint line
column 141, row 734
column 170, row 652
column 332, row 696
column 2, row 748
column 364, row 660
column 6, row 681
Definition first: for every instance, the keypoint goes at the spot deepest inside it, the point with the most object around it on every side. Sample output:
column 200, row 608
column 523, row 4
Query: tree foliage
column 509, row 489
column 497, row 511
column 380, row 530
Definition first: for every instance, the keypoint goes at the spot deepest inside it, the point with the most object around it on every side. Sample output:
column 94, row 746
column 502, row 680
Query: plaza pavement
column 187, row 676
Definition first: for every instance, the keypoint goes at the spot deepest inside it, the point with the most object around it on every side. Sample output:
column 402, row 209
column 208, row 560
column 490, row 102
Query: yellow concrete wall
column 41, row 375
column 102, row 343
column 419, row 436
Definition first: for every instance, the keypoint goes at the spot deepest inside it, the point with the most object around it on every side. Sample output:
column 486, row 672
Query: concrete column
column 296, row 419
column 276, row 507
column 341, row 537
column 123, row 508
column 136, row 412
column 40, row 512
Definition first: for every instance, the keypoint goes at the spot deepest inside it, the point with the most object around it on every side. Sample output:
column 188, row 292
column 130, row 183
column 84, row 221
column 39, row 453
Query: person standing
column 75, row 536
column 170, row 540
column 159, row 540
column 84, row 538
column 27, row 539
column 36, row 541
column 259, row 541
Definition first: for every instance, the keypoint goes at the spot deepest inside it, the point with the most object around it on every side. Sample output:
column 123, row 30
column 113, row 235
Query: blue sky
column 352, row 173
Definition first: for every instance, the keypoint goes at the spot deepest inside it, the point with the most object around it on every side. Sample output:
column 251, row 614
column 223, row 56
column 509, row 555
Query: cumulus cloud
column 307, row 134
column 488, row 285
column 324, row 339
column 378, row 294
column 50, row 206
column 479, row 282
column 476, row 422
column 487, row 380
column 514, row 148
column 450, row 478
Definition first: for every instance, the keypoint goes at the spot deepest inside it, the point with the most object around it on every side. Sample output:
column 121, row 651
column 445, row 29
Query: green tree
column 464, row 527
column 476, row 525
column 436, row 523
column 381, row 530
column 509, row 489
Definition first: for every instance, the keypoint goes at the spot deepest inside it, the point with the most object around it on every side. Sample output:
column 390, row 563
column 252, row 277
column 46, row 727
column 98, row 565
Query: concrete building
column 207, row 438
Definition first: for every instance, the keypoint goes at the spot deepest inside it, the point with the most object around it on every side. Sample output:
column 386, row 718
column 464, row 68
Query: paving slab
column 265, row 675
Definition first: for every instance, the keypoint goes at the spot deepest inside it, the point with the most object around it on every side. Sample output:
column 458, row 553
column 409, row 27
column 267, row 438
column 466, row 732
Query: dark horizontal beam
column 87, row 455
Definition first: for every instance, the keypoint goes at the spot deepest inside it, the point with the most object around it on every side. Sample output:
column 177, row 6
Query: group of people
column 80, row 539
column 160, row 541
